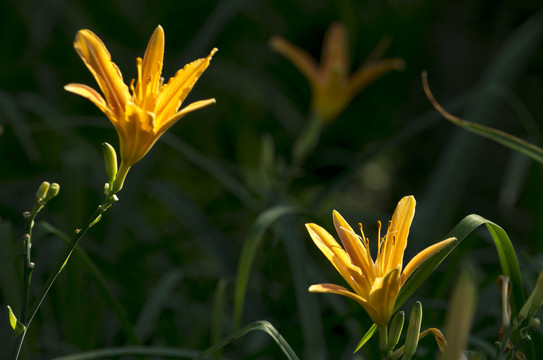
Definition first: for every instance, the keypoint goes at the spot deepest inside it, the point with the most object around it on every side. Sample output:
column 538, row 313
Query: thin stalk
column 110, row 200
column 102, row 284
column 307, row 141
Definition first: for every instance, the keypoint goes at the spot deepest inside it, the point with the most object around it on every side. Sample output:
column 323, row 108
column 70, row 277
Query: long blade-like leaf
column 101, row 281
column 367, row 336
column 248, row 254
column 257, row 325
column 506, row 254
column 155, row 351
column 511, row 141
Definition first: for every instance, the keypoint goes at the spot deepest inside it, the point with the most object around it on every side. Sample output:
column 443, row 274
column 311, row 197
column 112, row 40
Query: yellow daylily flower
column 151, row 107
column 376, row 284
column 332, row 87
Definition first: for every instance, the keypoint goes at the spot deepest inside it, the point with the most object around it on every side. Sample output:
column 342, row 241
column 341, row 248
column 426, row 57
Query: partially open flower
column 376, row 284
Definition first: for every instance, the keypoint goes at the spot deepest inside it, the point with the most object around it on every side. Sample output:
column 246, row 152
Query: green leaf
column 366, row 337
column 16, row 325
column 506, row 254
column 153, row 307
column 257, row 325
column 248, row 253
column 155, row 351
column 175, row 353
column 100, row 280
column 217, row 314
column 511, row 141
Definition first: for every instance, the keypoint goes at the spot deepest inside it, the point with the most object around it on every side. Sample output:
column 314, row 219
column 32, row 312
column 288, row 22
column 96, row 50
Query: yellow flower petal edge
column 376, row 283
column 142, row 112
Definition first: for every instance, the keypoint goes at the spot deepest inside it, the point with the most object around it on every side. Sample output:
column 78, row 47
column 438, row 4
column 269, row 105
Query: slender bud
column 504, row 284
column 42, row 190
column 395, row 331
column 53, row 191
column 534, row 302
column 413, row 331
column 110, row 158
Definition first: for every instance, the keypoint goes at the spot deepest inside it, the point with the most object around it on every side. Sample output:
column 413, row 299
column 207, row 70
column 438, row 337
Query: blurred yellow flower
column 376, row 284
column 151, row 107
column 331, row 85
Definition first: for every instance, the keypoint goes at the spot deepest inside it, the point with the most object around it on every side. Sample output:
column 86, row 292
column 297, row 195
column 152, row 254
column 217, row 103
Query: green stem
column 383, row 338
column 117, row 185
column 110, row 200
column 306, row 143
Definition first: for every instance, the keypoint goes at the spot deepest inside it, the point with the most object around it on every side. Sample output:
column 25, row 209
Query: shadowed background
column 169, row 250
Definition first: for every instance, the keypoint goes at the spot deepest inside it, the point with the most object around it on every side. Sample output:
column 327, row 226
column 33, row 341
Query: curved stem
column 109, row 200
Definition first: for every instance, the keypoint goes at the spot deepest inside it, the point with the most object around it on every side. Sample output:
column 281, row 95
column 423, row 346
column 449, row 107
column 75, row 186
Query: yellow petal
column 151, row 69
column 422, row 256
column 398, row 231
column 335, row 54
column 98, row 60
column 383, row 296
column 91, row 94
column 297, row 56
column 358, row 252
column 176, row 90
column 187, row 109
column 339, row 258
column 370, row 72
column 340, row 290
column 136, row 134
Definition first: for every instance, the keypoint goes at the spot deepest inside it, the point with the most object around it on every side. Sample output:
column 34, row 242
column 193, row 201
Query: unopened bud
column 53, row 191
column 413, row 331
column 395, row 331
column 110, row 158
column 534, row 302
column 42, row 190
column 534, row 323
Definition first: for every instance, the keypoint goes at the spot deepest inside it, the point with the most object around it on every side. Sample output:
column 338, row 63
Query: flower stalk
column 63, row 260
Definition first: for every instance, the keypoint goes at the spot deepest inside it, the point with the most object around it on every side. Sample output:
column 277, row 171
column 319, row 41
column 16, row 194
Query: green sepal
column 16, row 325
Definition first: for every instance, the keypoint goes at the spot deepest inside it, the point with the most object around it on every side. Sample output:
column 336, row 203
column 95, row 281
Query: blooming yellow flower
column 332, row 87
column 376, row 284
column 151, row 107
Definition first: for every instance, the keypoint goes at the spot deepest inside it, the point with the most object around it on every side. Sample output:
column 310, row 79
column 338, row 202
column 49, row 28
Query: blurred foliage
column 175, row 238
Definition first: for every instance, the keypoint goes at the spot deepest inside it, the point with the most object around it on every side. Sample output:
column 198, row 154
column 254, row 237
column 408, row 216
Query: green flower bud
column 53, row 191
column 42, row 190
column 534, row 302
column 395, row 331
column 534, row 323
column 413, row 331
column 110, row 158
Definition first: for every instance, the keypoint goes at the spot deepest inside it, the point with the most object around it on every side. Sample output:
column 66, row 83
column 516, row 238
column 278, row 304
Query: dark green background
column 176, row 218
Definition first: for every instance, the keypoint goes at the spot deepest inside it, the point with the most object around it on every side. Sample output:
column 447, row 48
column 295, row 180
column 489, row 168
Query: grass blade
column 506, row 254
column 163, row 352
column 501, row 137
column 255, row 326
column 152, row 308
column 248, row 253
column 101, row 281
